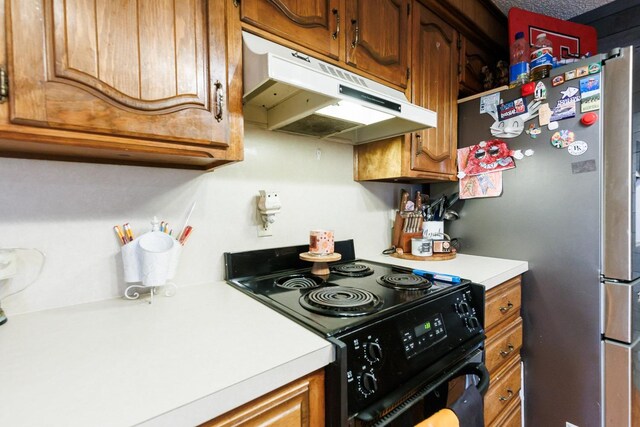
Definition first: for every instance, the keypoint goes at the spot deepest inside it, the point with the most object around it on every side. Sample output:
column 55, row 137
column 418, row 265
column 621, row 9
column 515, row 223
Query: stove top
column 355, row 291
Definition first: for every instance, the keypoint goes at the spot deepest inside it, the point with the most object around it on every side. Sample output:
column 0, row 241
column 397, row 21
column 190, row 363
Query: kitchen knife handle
column 356, row 38
column 219, row 100
column 336, row 13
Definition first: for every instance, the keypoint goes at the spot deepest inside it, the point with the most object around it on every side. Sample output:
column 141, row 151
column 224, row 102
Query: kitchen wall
column 67, row 210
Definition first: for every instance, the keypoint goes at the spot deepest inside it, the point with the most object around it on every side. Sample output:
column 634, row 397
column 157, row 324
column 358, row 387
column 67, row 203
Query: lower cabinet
column 299, row 403
column 503, row 326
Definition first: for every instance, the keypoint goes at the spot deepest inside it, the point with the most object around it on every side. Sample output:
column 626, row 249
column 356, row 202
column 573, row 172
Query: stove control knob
column 372, row 352
column 472, row 322
column 463, row 308
column 369, row 383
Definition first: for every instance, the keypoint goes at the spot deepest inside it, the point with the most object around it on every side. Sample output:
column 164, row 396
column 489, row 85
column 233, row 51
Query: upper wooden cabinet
column 370, row 36
column 377, row 37
column 435, row 87
column 125, row 82
column 315, row 24
column 454, row 45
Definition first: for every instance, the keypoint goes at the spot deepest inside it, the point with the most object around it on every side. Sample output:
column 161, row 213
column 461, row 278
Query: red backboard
column 570, row 40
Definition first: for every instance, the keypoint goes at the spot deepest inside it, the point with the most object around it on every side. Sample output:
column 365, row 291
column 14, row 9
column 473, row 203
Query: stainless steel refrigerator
column 572, row 215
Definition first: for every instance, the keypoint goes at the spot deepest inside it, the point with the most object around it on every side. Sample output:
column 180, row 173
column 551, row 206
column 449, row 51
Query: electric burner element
column 298, row 281
column 352, row 270
column 340, row 301
column 404, row 281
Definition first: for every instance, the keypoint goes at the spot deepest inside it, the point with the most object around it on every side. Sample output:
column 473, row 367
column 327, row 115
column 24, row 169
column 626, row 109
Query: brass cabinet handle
column 236, row 3
column 508, row 397
column 356, row 37
column 419, row 142
column 219, row 100
column 4, row 85
column 507, row 308
column 336, row 13
column 505, row 353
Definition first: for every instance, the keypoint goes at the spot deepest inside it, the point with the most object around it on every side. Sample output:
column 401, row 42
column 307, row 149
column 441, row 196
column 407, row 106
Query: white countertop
column 177, row 362
column 486, row 271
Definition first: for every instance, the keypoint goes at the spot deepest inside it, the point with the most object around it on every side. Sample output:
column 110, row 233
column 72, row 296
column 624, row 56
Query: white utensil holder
column 151, row 260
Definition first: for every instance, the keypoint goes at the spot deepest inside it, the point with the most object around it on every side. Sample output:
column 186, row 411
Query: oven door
column 422, row 397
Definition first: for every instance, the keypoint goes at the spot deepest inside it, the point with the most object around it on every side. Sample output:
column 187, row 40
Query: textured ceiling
column 561, row 9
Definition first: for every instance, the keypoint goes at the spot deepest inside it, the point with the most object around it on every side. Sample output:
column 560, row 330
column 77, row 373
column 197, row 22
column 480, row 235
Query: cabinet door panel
column 435, row 64
column 378, row 38
column 126, row 68
column 477, row 73
column 314, row 24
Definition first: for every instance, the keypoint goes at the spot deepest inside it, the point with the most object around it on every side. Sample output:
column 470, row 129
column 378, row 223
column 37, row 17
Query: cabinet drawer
column 502, row 346
column 504, row 389
column 502, row 302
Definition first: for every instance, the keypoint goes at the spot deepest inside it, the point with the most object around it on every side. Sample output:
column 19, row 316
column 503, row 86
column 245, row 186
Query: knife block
column 405, row 241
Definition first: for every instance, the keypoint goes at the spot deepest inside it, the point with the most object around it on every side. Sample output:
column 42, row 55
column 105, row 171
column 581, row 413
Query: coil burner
column 340, row 301
column 405, row 281
column 352, row 270
column 298, row 281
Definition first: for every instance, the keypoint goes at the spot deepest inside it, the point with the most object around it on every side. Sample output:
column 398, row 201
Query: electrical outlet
column 8, row 264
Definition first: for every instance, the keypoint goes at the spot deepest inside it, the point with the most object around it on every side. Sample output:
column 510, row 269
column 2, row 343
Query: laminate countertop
column 178, row 361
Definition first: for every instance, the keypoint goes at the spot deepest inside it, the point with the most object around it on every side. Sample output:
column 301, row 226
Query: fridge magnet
column 512, row 109
column 591, row 103
column 569, row 75
column 594, row 68
column 527, row 89
column 577, row 148
column 557, row 80
column 562, row 138
column 582, row 71
column 564, row 111
column 589, row 119
column 540, row 92
column 485, row 185
column 590, row 86
column 533, row 131
column 485, row 157
column 514, row 126
column 544, row 115
column 489, row 102
column 552, row 125
column 570, row 94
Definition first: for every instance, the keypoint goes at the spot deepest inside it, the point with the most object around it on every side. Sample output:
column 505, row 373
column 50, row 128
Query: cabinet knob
column 507, row 397
column 505, row 353
column 504, row 309
column 219, row 100
column 356, row 31
column 336, row 14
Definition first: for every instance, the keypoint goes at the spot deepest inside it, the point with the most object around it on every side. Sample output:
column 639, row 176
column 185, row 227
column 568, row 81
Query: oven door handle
column 481, row 371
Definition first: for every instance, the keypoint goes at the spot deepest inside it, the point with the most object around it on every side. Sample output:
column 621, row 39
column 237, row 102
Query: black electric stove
column 394, row 332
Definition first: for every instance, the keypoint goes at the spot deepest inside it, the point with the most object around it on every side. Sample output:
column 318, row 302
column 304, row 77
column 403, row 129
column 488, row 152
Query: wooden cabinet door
column 377, row 38
column 315, row 24
column 435, row 86
column 477, row 71
column 153, row 70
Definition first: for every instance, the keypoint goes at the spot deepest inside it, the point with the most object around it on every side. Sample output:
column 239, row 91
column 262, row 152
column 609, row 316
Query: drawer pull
column 508, row 397
column 334, row 35
column 505, row 353
column 507, row 308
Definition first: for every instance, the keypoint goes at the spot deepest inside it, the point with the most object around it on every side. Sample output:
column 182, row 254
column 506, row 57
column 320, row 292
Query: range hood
column 295, row 93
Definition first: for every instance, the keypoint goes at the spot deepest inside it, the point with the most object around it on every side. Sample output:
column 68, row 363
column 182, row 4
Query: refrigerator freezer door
column 619, row 240
column 621, row 384
column 621, row 311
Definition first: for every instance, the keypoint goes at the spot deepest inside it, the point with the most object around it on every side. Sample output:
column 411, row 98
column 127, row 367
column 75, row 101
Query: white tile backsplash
column 67, row 210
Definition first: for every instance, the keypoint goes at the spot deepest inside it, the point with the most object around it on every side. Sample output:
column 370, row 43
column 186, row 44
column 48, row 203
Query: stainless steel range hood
column 295, row 93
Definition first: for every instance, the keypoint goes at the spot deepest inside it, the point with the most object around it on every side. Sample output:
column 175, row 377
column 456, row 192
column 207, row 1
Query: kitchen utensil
column 450, row 215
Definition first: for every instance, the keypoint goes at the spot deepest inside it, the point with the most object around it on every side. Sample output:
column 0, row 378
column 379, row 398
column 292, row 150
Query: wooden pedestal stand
column 320, row 266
